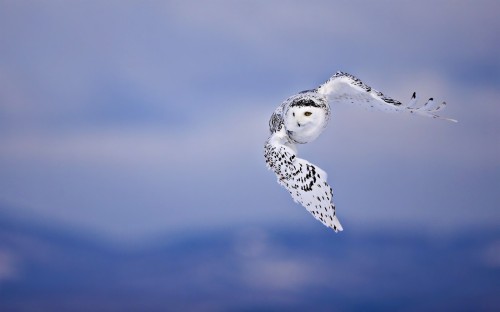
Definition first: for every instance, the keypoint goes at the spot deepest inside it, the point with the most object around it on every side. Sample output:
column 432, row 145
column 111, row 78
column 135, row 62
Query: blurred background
column 132, row 175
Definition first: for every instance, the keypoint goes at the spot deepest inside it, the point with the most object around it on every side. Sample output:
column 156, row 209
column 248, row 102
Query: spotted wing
column 276, row 120
column 345, row 88
column 304, row 181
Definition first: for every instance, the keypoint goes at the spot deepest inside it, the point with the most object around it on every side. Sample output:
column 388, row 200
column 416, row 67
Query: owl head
column 306, row 116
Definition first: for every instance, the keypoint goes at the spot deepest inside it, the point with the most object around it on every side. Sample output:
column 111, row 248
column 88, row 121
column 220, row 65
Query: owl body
column 302, row 117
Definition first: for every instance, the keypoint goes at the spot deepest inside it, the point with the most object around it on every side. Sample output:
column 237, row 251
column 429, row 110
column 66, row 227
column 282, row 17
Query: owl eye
column 293, row 114
column 307, row 113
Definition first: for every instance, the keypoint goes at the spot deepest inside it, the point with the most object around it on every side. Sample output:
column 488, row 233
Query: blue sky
column 134, row 120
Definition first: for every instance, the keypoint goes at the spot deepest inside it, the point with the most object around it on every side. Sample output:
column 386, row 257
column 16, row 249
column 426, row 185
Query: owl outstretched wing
column 304, row 181
column 346, row 88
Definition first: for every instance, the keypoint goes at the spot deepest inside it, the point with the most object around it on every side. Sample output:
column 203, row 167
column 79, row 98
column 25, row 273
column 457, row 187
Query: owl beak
column 298, row 124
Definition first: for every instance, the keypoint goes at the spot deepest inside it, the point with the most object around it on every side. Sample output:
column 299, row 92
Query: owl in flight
column 302, row 117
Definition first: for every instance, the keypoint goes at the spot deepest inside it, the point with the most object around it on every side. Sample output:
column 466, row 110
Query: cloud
column 262, row 265
column 491, row 255
column 114, row 175
column 142, row 118
column 8, row 270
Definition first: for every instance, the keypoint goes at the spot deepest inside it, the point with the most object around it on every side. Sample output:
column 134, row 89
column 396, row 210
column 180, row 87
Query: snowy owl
column 302, row 117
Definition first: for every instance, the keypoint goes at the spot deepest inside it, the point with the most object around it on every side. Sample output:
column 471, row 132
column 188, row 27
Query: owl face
column 305, row 123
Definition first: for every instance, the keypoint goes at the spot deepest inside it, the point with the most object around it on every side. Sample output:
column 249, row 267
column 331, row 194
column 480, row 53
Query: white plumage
column 302, row 118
